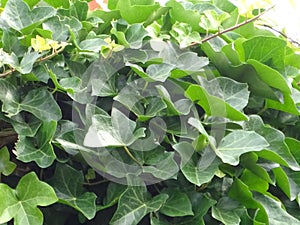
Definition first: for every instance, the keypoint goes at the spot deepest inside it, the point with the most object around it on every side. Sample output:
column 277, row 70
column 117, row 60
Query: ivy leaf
column 67, row 183
column 38, row 148
column 117, row 130
column 41, row 103
column 135, row 13
column 135, row 35
column 277, row 151
column 178, row 204
column 226, row 211
column 271, row 48
column 18, row 15
column 213, row 105
column 134, row 204
column 6, row 166
column 21, row 204
column 234, row 93
column 276, row 214
column 184, row 35
column 238, row 142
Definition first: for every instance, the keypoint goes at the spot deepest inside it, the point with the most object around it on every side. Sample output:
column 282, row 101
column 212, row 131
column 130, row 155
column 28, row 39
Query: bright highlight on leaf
column 41, row 44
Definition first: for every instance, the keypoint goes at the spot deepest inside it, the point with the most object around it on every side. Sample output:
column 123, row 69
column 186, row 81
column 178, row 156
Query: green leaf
column 180, row 14
column 240, row 192
column 135, row 35
column 270, row 48
column 41, row 103
column 212, row 105
column 59, row 3
column 178, row 204
column 226, row 211
column 117, row 130
column 270, row 76
column 67, row 183
column 183, row 34
column 135, row 13
column 136, row 203
column 6, row 166
column 180, row 107
column 276, row 214
column 197, row 170
column 277, row 151
column 234, row 93
column 79, row 10
column 18, row 15
column 21, row 204
column 39, row 147
column 238, row 142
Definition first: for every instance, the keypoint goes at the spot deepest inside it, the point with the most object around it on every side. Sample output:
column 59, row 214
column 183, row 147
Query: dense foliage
column 186, row 113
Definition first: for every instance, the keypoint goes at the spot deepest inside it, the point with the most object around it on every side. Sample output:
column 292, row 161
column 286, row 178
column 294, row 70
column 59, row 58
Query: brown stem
column 231, row 28
column 10, row 71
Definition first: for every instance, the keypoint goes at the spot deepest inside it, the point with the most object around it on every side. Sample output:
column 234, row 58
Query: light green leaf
column 21, row 204
column 263, row 49
column 183, row 34
column 68, row 185
column 178, row 204
column 117, row 130
column 6, row 166
column 213, row 105
column 238, row 142
column 18, row 15
column 39, row 147
column 136, row 203
column 270, row 76
column 136, row 13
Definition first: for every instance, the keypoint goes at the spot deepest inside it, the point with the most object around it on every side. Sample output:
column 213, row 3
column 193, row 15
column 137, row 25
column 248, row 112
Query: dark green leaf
column 178, row 204
column 134, row 204
column 67, row 183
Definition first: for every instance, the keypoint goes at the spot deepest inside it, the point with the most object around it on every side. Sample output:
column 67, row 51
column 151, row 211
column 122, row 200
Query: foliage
column 186, row 113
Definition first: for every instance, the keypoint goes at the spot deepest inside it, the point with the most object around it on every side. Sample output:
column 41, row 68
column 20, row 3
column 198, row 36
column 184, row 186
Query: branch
column 54, row 53
column 282, row 34
column 231, row 28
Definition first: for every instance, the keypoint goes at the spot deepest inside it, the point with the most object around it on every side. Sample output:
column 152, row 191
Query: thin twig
column 10, row 71
column 282, row 34
column 231, row 28
column 131, row 156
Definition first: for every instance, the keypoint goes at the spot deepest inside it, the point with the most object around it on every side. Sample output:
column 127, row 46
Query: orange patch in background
column 93, row 5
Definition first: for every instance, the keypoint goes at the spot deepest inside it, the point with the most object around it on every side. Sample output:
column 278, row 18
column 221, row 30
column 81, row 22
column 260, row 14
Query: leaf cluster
column 186, row 113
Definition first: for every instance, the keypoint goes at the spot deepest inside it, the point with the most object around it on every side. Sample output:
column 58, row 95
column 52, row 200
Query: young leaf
column 67, row 183
column 21, row 204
